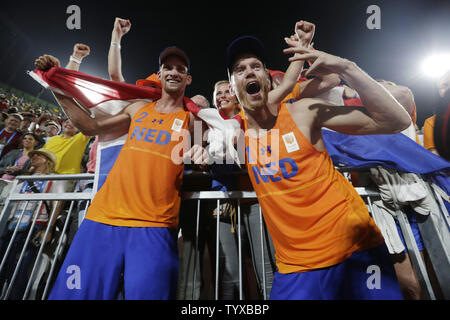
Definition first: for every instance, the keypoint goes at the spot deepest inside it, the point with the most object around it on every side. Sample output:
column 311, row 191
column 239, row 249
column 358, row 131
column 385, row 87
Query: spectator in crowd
column 3, row 103
column 51, row 128
column 226, row 103
column 3, row 117
column 39, row 122
column 428, row 139
column 317, row 230
column 17, row 161
column 223, row 180
column 13, row 110
column 406, row 275
column 200, row 101
column 9, row 135
column 69, row 148
column 27, row 120
column 42, row 162
column 443, row 85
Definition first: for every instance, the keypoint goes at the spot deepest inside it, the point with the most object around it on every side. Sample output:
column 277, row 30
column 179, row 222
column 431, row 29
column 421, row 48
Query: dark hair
column 12, row 110
column 35, row 136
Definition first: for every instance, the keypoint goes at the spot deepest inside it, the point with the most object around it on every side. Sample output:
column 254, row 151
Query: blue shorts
column 102, row 257
column 415, row 230
column 365, row 275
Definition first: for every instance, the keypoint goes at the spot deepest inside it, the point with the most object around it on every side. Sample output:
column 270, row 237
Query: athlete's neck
column 261, row 118
column 170, row 102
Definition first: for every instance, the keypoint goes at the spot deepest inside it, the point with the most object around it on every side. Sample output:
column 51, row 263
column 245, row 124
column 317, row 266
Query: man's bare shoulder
column 135, row 106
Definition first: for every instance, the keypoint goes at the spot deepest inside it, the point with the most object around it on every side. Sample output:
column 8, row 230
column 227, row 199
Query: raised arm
column 384, row 114
column 106, row 127
column 79, row 52
column 121, row 27
column 304, row 32
column 318, row 85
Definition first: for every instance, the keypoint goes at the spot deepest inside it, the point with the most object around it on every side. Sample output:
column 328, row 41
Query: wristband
column 115, row 44
column 76, row 60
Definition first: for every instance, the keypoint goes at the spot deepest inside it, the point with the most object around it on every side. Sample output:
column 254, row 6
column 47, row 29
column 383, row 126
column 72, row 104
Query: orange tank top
column 143, row 187
column 315, row 217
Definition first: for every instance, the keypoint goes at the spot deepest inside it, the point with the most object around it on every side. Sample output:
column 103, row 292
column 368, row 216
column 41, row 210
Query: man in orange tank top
column 129, row 233
column 327, row 245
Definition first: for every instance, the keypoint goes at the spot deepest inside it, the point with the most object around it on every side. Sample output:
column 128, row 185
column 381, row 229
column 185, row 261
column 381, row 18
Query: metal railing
column 41, row 258
column 438, row 250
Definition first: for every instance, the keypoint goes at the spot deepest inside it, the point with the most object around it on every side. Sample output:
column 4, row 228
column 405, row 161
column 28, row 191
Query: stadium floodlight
column 436, row 65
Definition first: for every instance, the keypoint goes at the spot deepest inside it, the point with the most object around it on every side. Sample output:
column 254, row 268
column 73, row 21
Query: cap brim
column 244, row 45
column 174, row 51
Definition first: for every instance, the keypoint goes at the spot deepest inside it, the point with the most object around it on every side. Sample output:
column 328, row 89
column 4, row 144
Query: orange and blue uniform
column 315, row 217
column 143, row 187
column 131, row 225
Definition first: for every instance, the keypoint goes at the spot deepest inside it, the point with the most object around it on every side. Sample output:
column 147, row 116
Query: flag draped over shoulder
column 99, row 96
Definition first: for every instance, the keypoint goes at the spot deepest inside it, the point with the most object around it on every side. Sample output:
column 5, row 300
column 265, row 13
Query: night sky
column 410, row 31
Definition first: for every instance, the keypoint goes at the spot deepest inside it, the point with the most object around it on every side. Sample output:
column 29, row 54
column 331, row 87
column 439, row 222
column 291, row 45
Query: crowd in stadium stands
column 33, row 141
column 27, row 132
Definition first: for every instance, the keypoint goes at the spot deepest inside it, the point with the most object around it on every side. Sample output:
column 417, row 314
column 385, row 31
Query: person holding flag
column 130, row 227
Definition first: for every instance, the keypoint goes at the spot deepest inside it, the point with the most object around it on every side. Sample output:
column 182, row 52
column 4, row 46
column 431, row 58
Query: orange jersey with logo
column 143, row 187
column 314, row 215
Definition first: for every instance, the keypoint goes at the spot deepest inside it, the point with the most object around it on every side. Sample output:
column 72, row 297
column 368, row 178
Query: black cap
column 174, row 51
column 242, row 45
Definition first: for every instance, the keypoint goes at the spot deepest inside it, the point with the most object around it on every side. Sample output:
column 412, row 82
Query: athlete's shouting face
column 174, row 75
column 250, row 82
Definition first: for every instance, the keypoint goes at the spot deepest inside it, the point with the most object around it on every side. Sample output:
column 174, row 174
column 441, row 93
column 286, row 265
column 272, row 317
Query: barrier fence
column 42, row 270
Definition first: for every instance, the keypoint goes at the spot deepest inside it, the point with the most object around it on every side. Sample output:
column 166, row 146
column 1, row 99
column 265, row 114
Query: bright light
column 436, row 65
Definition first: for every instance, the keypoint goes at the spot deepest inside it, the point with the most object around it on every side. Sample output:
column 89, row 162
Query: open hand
column 321, row 63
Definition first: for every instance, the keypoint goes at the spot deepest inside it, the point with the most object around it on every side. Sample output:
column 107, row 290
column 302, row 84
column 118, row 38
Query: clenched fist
column 46, row 62
column 80, row 51
column 305, row 32
column 121, row 27
column 303, row 35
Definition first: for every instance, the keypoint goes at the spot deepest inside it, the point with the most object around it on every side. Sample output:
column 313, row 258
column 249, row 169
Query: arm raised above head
column 79, row 52
column 303, row 34
column 384, row 113
column 121, row 27
column 109, row 125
